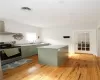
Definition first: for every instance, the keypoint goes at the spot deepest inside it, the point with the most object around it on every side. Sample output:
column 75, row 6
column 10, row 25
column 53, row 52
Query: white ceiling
column 52, row 13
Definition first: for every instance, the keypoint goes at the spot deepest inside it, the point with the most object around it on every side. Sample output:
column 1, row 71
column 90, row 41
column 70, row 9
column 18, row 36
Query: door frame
column 76, row 43
column 97, row 35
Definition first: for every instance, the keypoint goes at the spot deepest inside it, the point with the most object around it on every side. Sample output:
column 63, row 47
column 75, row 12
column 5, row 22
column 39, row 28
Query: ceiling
column 52, row 13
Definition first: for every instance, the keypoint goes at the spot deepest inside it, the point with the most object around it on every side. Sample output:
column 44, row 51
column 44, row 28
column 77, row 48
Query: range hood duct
column 2, row 29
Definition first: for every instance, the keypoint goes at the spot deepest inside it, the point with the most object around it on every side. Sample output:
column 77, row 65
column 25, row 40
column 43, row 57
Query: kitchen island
column 54, row 55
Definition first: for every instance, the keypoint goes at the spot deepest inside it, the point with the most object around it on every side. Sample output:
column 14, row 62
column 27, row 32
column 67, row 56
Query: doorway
column 82, row 41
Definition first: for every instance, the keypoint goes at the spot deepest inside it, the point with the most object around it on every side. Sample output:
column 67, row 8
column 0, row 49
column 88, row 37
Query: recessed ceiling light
column 26, row 8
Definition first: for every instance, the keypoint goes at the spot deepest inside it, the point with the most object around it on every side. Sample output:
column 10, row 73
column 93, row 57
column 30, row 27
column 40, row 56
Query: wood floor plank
column 77, row 67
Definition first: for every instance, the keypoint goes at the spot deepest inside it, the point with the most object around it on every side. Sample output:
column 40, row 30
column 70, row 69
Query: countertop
column 20, row 45
column 54, row 46
column 32, row 44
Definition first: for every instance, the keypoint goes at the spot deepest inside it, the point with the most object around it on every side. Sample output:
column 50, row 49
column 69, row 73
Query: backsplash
column 8, row 38
column 16, row 27
column 26, row 39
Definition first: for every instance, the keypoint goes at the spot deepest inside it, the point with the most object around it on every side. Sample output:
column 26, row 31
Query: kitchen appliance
column 6, row 45
column 9, row 48
column 5, row 59
column 3, row 29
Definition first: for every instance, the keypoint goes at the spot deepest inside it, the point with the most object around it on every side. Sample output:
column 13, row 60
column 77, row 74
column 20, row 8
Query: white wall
column 93, row 41
column 55, row 36
column 13, row 26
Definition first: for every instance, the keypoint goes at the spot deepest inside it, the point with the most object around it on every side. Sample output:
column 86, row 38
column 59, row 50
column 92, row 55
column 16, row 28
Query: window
column 31, row 37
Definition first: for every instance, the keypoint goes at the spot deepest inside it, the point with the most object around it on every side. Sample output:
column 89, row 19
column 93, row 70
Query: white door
column 82, row 41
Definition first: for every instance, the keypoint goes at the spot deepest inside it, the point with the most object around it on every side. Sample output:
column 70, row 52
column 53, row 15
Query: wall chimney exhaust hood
column 2, row 29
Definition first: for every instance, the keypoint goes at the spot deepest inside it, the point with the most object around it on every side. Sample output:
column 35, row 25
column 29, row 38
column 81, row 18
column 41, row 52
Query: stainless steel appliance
column 3, row 29
column 4, row 45
column 8, row 49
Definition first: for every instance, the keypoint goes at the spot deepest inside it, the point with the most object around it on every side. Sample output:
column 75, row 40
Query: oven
column 11, row 54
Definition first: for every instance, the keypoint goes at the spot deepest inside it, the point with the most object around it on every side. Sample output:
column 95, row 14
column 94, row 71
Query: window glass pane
column 87, row 49
column 83, row 48
column 31, row 37
column 79, row 48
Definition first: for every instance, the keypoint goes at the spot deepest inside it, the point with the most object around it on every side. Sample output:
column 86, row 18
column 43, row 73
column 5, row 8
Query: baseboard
column 84, row 53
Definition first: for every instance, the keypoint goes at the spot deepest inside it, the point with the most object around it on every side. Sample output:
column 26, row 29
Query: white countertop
column 31, row 44
column 53, row 46
column 24, row 44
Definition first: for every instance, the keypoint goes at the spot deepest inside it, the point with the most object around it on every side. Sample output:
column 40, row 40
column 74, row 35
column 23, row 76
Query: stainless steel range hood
column 2, row 29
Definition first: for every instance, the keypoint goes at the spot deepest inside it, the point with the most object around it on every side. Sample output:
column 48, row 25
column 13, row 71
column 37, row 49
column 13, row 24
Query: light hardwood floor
column 78, row 67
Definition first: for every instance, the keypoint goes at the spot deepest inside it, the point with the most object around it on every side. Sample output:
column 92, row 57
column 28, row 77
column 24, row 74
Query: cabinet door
column 35, row 50
column 25, row 51
column 32, row 50
column 28, row 51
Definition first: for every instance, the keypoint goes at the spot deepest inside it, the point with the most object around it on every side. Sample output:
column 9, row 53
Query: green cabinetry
column 28, row 51
column 54, row 55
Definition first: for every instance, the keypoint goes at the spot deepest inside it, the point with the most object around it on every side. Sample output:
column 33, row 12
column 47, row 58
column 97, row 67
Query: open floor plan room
column 49, row 39
column 78, row 67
